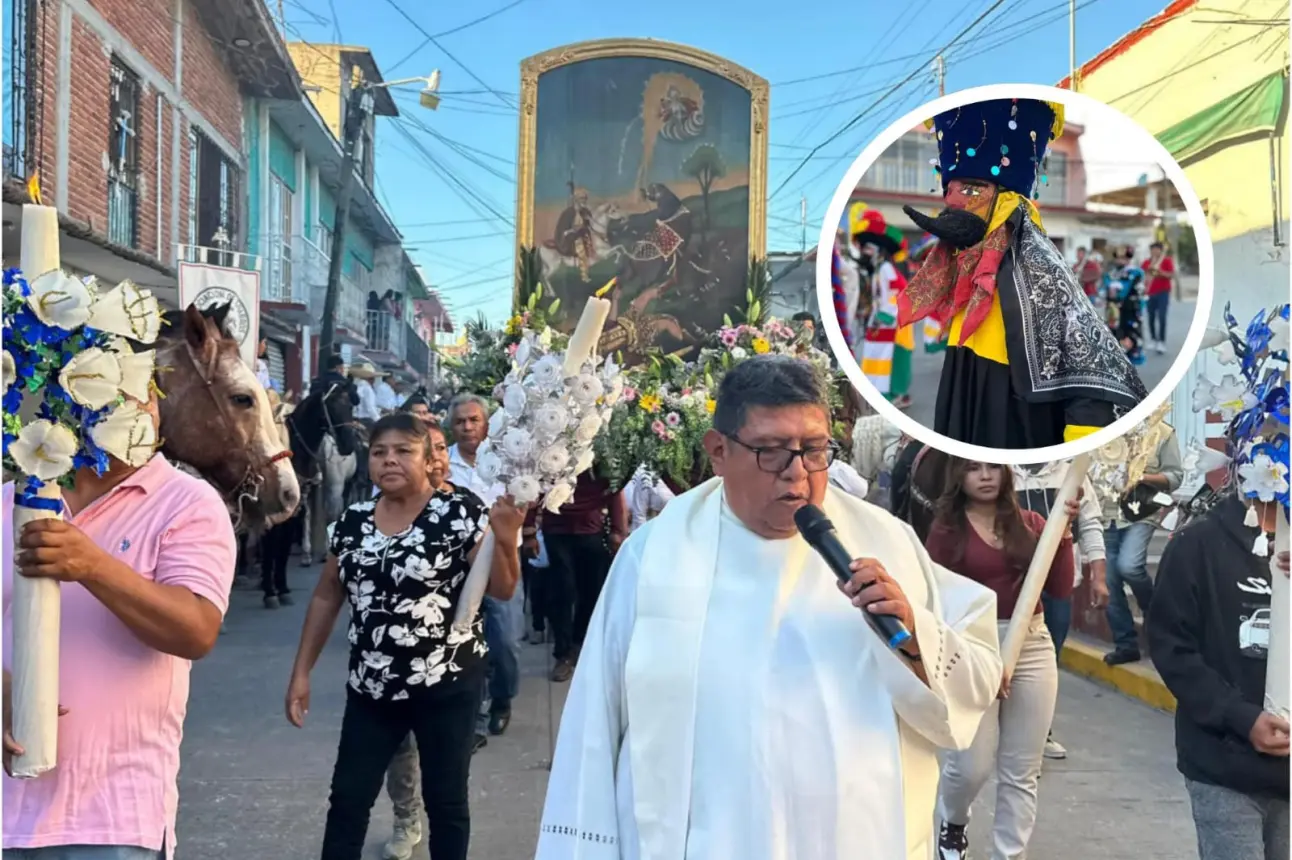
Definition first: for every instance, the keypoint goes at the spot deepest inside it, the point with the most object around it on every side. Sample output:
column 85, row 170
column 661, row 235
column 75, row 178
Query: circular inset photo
column 1015, row 274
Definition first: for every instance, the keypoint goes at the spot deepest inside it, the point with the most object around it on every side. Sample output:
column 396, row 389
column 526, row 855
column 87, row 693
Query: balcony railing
column 221, row 257
column 385, row 333
column 416, row 352
column 294, row 268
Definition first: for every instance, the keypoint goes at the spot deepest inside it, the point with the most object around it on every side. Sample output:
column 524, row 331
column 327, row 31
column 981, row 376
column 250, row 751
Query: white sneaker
column 406, row 836
column 1055, row 750
column 1161, row 348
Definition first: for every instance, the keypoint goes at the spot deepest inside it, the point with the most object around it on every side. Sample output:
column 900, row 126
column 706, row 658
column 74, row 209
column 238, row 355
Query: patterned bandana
column 949, row 282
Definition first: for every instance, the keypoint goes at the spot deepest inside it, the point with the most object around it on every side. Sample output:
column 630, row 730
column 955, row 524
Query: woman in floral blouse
column 400, row 561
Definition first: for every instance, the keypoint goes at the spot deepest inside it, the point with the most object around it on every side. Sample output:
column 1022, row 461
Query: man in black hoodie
column 1209, row 637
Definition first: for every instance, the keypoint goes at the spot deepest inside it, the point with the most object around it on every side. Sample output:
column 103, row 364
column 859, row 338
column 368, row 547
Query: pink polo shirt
column 118, row 746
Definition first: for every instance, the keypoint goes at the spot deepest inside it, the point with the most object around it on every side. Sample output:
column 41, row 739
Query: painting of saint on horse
column 641, row 171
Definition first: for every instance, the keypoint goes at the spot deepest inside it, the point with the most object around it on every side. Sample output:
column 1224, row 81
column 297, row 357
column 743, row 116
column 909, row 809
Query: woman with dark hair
column 981, row 532
column 400, row 560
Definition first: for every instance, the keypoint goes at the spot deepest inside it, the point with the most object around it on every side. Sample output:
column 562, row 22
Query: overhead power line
column 450, row 32
column 430, row 37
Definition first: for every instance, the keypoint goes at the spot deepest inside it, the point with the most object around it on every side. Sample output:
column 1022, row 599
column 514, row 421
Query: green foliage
column 529, row 273
column 758, row 296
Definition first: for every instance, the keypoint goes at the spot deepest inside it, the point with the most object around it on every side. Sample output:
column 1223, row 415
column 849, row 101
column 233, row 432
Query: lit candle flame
column 33, row 188
column 610, row 285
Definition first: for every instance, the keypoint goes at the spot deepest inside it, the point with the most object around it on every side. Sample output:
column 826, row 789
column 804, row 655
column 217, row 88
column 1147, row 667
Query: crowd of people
column 1131, row 294
column 697, row 634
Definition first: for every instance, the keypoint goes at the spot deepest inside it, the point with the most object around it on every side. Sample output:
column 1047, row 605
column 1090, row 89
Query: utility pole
column 940, row 70
column 803, row 223
column 356, row 114
column 1072, row 45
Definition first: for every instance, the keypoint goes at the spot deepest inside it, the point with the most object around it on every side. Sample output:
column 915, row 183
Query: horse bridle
column 248, row 488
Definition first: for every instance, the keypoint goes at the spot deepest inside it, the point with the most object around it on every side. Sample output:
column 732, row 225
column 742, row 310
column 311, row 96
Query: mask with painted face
column 963, row 222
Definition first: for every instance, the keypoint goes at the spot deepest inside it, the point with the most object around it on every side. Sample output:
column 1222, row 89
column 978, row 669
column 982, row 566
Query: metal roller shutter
column 276, row 358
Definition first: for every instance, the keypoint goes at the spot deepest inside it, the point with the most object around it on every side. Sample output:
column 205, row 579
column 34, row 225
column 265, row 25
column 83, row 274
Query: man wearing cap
column 1029, row 363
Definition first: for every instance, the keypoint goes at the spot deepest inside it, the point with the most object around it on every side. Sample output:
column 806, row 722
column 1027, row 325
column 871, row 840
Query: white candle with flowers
column 552, row 408
column 65, row 348
column 43, row 450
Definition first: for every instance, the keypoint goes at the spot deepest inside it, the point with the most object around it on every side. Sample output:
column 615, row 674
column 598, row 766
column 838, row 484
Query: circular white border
column 1006, row 456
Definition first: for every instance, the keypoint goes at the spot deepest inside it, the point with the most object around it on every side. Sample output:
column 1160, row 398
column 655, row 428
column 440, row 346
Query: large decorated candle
column 586, row 334
column 65, row 348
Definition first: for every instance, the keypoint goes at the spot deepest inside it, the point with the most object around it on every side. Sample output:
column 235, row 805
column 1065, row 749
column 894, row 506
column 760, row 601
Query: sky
column 447, row 177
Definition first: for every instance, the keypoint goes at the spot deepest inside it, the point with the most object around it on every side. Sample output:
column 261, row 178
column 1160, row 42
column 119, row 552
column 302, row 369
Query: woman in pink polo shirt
column 400, row 561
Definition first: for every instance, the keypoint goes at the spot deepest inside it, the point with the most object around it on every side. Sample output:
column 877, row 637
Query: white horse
column 599, row 227
column 326, row 499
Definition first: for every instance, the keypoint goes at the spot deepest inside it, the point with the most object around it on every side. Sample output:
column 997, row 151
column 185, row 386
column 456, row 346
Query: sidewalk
column 1084, row 655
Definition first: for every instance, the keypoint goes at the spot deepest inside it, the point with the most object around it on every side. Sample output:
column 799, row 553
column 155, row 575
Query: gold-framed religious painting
column 644, row 162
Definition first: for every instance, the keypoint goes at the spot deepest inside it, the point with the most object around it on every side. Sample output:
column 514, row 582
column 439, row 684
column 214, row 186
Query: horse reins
column 248, row 488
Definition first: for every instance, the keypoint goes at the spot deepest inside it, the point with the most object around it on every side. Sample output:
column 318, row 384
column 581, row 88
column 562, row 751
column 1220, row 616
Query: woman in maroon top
column 980, row 532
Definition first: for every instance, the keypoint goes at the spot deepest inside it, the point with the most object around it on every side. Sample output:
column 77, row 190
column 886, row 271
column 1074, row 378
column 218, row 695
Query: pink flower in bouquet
column 686, row 392
column 629, row 393
column 657, row 426
column 728, row 337
column 511, row 350
column 673, row 419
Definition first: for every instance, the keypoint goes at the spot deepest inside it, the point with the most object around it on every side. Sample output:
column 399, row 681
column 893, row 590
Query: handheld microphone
column 819, row 532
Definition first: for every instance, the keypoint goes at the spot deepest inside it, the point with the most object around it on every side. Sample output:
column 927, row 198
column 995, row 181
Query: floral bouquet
column 660, row 425
column 69, row 368
column 733, row 343
column 554, row 405
column 1255, row 403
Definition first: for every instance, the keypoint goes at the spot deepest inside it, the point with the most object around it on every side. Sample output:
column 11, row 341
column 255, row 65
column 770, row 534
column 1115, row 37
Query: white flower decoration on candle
column 516, row 443
column 514, row 399
column 92, row 378
column 554, row 459
column 548, row 372
column 1264, row 478
column 127, row 433
column 44, row 450
column 1225, row 353
column 524, row 489
column 588, row 429
column 523, row 350
column 1228, row 397
column 128, row 311
column 10, row 370
column 586, row 389
column 545, row 338
column 60, row 300
column 584, row 462
column 551, row 417
column 488, row 465
column 614, row 390
column 560, row 493
column 497, row 423
column 136, row 369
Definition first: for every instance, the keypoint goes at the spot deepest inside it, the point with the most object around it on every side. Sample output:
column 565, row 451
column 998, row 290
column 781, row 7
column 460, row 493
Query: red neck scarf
column 950, row 282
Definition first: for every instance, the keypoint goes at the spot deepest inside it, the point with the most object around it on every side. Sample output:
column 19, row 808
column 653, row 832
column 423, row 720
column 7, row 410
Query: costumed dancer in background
column 845, row 283
column 1130, row 314
column 885, row 364
column 1029, row 363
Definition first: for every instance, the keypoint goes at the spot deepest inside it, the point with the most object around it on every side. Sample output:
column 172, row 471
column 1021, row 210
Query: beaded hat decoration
column 1001, row 140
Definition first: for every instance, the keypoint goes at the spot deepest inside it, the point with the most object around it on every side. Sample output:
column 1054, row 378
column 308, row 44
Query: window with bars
column 280, row 239
column 123, row 155
column 213, row 183
column 904, row 167
column 19, row 107
column 1055, row 188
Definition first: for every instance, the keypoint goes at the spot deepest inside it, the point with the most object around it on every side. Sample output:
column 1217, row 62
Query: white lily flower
column 10, row 370
column 523, row 489
column 60, row 300
column 1264, row 478
column 1225, row 353
column 128, row 311
column 1199, row 459
column 127, row 433
column 92, row 378
column 44, row 450
column 1213, row 336
column 560, row 493
column 137, row 370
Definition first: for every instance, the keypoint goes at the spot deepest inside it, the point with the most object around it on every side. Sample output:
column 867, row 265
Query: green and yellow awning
column 1253, row 113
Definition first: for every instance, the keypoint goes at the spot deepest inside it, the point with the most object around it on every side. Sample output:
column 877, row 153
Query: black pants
column 579, row 564
column 371, row 732
column 275, row 551
column 537, row 583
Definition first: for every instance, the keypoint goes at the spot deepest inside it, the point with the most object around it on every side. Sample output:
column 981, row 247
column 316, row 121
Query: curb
column 1137, row 680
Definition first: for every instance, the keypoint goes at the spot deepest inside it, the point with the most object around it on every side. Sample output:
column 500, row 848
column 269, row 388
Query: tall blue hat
column 1002, row 141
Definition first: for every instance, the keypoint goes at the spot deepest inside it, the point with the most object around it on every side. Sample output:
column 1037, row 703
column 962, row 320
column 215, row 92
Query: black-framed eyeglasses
column 776, row 459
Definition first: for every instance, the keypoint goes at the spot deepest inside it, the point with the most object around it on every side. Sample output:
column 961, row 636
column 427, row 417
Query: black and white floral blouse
column 403, row 591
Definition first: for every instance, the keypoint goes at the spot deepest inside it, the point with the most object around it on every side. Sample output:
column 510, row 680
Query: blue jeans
column 504, row 622
column 1058, row 619
column 1157, row 308
column 1127, row 548
column 85, row 852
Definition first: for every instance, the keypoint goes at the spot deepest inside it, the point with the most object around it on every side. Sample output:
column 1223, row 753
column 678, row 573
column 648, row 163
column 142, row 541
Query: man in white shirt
column 730, row 701
column 363, row 373
column 387, row 399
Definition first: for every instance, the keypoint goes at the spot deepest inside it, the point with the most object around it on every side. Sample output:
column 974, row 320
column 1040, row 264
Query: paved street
column 253, row 786
column 927, row 367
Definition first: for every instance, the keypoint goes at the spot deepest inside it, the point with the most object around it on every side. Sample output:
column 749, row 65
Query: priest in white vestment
column 731, row 702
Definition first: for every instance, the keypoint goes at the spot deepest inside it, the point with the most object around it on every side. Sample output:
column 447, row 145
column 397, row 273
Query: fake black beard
column 959, row 228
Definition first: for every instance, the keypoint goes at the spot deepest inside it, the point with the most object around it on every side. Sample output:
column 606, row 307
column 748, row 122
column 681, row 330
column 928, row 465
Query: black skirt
column 978, row 404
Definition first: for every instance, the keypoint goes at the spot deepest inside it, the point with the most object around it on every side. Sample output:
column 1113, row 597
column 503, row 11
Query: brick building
column 131, row 114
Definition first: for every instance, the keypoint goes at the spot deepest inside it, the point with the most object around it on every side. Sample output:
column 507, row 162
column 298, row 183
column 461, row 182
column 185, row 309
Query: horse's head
column 218, row 419
column 326, row 411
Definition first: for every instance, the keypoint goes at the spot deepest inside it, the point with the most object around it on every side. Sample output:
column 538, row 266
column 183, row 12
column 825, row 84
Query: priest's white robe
column 731, row 704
